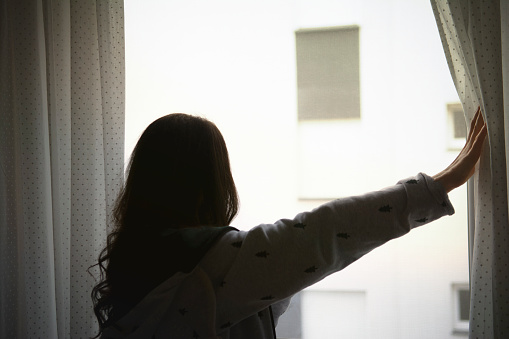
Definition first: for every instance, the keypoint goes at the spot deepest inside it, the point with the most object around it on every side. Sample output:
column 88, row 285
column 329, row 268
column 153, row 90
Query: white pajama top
column 245, row 280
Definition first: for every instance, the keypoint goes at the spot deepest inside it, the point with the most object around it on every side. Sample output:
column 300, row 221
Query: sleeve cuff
column 427, row 199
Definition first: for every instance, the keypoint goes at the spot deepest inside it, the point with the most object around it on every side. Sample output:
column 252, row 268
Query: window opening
column 457, row 129
column 328, row 73
column 461, row 307
column 217, row 60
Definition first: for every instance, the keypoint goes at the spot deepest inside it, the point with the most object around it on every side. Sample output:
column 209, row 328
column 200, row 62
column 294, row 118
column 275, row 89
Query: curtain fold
column 471, row 33
column 61, row 158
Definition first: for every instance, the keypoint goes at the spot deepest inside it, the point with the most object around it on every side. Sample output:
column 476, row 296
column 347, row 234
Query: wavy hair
column 178, row 176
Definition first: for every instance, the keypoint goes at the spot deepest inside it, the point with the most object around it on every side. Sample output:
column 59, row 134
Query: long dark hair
column 178, row 176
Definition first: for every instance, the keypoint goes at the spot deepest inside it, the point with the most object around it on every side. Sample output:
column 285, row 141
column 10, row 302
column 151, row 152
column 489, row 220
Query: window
column 217, row 60
column 457, row 129
column 328, row 73
column 461, row 310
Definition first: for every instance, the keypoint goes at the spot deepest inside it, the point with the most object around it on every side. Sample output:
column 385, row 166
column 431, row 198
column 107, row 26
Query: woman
column 172, row 268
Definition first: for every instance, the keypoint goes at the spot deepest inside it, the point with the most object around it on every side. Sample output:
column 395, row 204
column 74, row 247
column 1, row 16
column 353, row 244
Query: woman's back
column 171, row 268
column 244, row 281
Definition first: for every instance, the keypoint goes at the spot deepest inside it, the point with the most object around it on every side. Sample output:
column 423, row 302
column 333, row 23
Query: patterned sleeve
column 273, row 262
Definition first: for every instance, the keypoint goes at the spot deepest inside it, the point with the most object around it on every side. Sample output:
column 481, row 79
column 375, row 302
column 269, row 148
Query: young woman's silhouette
column 173, row 268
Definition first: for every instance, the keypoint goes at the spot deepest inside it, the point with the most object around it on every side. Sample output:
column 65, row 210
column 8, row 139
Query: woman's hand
column 462, row 168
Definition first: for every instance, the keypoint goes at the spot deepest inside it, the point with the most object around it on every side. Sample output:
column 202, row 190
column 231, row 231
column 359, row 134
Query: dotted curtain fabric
column 61, row 159
column 471, row 35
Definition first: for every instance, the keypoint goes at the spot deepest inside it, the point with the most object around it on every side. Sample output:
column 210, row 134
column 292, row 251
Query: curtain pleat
column 61, row 157
column 471, row 36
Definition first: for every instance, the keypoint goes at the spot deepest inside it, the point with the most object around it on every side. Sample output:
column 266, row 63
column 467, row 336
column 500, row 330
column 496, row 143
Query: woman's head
column 179, row 175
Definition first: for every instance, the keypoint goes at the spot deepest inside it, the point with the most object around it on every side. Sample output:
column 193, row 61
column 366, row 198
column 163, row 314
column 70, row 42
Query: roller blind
column 328, row 73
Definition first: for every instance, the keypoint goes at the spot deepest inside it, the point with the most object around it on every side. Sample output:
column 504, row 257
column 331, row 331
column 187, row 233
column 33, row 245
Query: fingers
column 475, row 151
column 479, row 141
column 462, row 168
column 478, row 132
column 472, row 152
column 477, row 127
column 474, row 122
column 477, row 123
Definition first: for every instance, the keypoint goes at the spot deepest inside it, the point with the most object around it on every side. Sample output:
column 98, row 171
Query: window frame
column 459, row 326
column 355, row 88
column 453, row 143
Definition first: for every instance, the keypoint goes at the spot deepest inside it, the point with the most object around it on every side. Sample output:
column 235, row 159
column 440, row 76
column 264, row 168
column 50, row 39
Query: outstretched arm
column 463, row 167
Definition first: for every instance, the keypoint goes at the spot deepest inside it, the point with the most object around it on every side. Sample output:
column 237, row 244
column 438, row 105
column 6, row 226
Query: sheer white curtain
column 61, row 158
column 471, row 33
